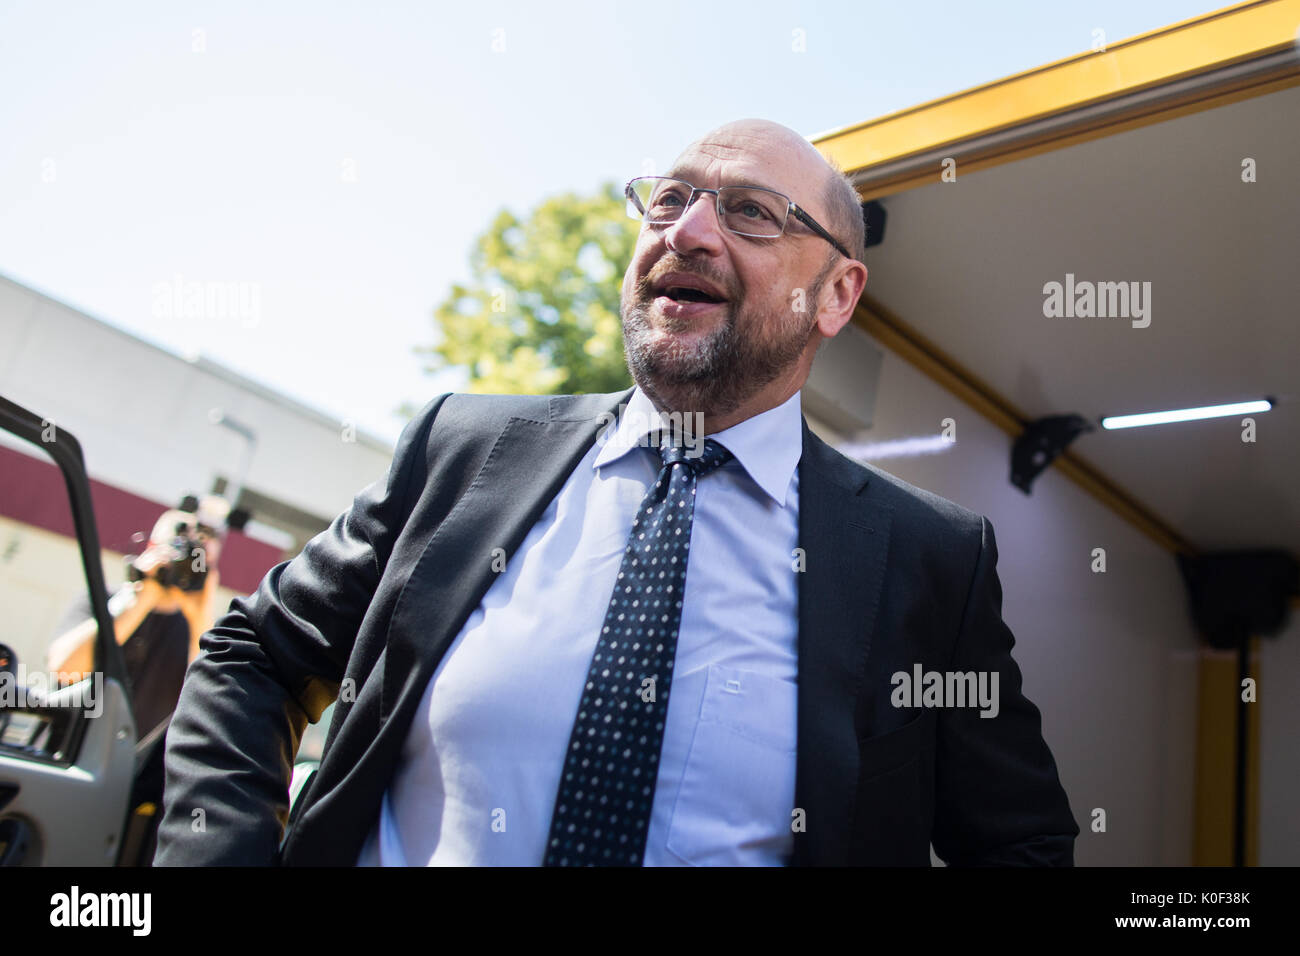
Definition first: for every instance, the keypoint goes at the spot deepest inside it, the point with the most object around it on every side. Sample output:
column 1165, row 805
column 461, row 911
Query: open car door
column 67, row 754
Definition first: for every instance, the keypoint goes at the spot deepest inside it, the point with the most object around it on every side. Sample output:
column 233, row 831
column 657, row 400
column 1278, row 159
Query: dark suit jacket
column 894, row 576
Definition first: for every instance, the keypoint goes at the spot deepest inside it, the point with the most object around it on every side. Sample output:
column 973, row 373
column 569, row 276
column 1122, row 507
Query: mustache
column 644, row 287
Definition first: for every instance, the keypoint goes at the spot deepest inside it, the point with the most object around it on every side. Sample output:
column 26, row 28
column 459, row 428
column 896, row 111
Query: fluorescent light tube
column 1185, row 414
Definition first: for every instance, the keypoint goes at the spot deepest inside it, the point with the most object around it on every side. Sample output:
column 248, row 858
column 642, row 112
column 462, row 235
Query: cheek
column 643, row 259
column 761, row 275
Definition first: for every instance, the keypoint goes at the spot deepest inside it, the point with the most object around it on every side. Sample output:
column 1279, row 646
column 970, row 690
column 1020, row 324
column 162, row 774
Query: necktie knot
column 701, row 463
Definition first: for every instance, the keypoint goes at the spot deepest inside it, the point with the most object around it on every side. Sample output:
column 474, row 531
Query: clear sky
column 333, row 162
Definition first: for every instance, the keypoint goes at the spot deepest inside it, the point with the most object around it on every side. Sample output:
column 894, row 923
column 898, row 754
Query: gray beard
column 724, row 370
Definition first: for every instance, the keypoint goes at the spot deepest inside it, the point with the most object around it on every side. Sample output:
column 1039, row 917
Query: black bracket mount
column 1039, row 445
column 873, row 218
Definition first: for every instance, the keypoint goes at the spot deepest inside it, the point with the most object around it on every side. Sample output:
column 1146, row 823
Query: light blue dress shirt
column 479, row 769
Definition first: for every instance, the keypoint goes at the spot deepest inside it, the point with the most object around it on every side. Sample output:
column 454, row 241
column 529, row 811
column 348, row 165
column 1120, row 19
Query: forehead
column 740, row 159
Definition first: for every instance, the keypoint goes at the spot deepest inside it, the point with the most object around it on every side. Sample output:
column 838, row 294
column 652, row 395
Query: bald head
column 803, row 172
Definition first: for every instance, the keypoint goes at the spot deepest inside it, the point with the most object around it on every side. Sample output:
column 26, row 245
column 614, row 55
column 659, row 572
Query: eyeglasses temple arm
column 811, row 223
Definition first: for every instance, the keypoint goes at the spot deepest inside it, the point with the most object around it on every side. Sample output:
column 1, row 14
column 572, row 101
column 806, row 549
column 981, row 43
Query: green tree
column 541, row 314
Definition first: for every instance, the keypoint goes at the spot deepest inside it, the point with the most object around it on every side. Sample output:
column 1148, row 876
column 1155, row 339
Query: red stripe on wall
column 33, row 491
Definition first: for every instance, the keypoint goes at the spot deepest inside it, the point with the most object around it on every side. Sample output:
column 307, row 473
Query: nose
column 698, row 229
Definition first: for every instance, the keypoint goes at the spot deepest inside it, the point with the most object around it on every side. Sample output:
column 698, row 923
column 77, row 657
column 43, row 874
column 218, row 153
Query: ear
column 840, row 297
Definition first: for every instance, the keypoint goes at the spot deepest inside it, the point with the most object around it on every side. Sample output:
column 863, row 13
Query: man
column 505, row 620
column 158, row 624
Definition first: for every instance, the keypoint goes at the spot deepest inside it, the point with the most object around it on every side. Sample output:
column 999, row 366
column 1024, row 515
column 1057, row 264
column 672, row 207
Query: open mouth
column 683, row 294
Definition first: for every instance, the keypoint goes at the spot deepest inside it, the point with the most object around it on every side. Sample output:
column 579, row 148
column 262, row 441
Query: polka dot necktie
column 602, row 806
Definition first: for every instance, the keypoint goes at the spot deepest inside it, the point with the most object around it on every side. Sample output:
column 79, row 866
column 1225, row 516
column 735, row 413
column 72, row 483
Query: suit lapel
column 526, row 468
column 845, row 540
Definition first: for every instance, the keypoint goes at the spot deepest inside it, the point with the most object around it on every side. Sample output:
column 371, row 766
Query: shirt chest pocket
column 736, row 797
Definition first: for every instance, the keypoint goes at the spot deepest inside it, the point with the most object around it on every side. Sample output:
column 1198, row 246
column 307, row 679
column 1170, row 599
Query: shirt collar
column 767, row 445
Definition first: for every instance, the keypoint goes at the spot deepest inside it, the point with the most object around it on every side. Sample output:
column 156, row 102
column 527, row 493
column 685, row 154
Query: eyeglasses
column 745, row 210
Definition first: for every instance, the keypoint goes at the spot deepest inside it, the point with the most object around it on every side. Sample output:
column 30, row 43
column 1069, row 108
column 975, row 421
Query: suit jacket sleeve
column 999, row 801
column 273, row 663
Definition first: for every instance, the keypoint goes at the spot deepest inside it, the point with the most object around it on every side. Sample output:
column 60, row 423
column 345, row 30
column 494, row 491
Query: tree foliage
column 541, row 314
